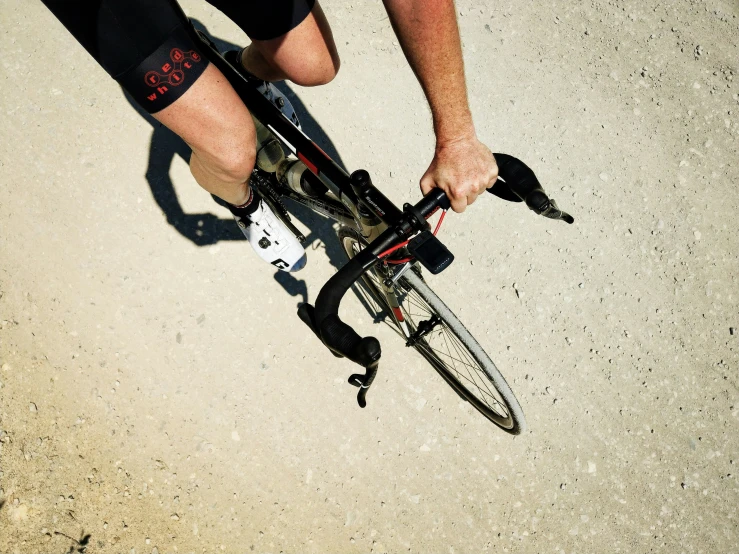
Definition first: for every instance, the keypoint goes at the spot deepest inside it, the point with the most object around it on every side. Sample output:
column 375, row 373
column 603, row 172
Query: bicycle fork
column 389, row 287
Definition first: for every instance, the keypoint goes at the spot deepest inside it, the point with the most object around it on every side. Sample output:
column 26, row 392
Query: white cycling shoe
column 272, row 240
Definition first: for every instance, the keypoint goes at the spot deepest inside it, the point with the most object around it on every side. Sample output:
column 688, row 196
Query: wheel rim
column 441, row 347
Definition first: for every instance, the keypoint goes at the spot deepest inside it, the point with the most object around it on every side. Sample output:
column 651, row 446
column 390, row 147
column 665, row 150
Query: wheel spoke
column 469, row 378
column 455, row 341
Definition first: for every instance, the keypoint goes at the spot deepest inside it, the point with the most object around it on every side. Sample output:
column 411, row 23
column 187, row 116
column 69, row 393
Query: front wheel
column 418, row 315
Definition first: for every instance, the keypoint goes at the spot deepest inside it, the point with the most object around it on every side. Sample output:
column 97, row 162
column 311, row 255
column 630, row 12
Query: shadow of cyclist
column 207, row 228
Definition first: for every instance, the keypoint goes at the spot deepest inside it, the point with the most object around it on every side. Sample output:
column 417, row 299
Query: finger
column 458, row 204
column 494, row 172
column 427, row 183
column 493, row 177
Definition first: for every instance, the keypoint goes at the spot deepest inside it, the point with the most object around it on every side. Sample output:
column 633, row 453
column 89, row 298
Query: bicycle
column 386, row 249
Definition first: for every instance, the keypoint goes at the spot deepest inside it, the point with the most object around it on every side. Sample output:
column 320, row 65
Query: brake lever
column 363, row 382
column 517, row 183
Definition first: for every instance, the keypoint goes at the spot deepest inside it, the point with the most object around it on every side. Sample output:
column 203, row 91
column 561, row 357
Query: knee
column 231, row 160
column 316, row 70
column 237, row 164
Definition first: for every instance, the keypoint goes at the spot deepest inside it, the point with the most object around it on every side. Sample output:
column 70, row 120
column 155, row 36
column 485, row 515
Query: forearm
column 428, row 33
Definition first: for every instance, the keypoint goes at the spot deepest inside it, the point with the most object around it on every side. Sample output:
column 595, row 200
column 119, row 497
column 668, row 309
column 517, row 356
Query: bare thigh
column 306, row 55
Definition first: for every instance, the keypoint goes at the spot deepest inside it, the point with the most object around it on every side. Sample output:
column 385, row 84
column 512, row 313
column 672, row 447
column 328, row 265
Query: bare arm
column 427, row 30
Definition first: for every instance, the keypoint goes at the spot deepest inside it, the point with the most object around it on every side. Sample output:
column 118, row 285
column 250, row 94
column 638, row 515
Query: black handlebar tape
column 307, row 315
column 435, row 198
column 329, row 298
column 341, row 338
column 519, row 179
column 520, row 183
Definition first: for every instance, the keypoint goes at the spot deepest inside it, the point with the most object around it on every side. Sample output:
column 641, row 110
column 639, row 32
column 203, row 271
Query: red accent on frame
column 398, row 314
column 308, row 164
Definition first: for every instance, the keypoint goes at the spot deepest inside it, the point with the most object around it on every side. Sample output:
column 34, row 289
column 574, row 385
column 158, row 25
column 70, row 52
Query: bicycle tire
column 502, row 408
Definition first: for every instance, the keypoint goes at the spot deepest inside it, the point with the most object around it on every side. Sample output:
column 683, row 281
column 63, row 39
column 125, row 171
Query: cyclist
column 145, row 45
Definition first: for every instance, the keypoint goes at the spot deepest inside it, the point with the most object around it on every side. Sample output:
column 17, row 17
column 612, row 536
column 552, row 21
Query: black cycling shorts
column 145, row 45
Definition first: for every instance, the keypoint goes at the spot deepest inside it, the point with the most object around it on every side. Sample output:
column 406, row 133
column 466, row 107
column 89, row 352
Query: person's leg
column 291, row 39
column 213, row 121
column 307, row 55
column 144, row 45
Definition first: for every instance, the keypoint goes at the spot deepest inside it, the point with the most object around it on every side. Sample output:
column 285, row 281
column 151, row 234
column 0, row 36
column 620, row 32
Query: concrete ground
column 158, row 393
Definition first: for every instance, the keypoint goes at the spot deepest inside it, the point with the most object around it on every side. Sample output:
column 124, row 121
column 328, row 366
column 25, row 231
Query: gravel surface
column 158, row 393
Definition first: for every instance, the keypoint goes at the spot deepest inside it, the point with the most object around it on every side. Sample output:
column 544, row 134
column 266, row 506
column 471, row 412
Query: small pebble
column 32, row 407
